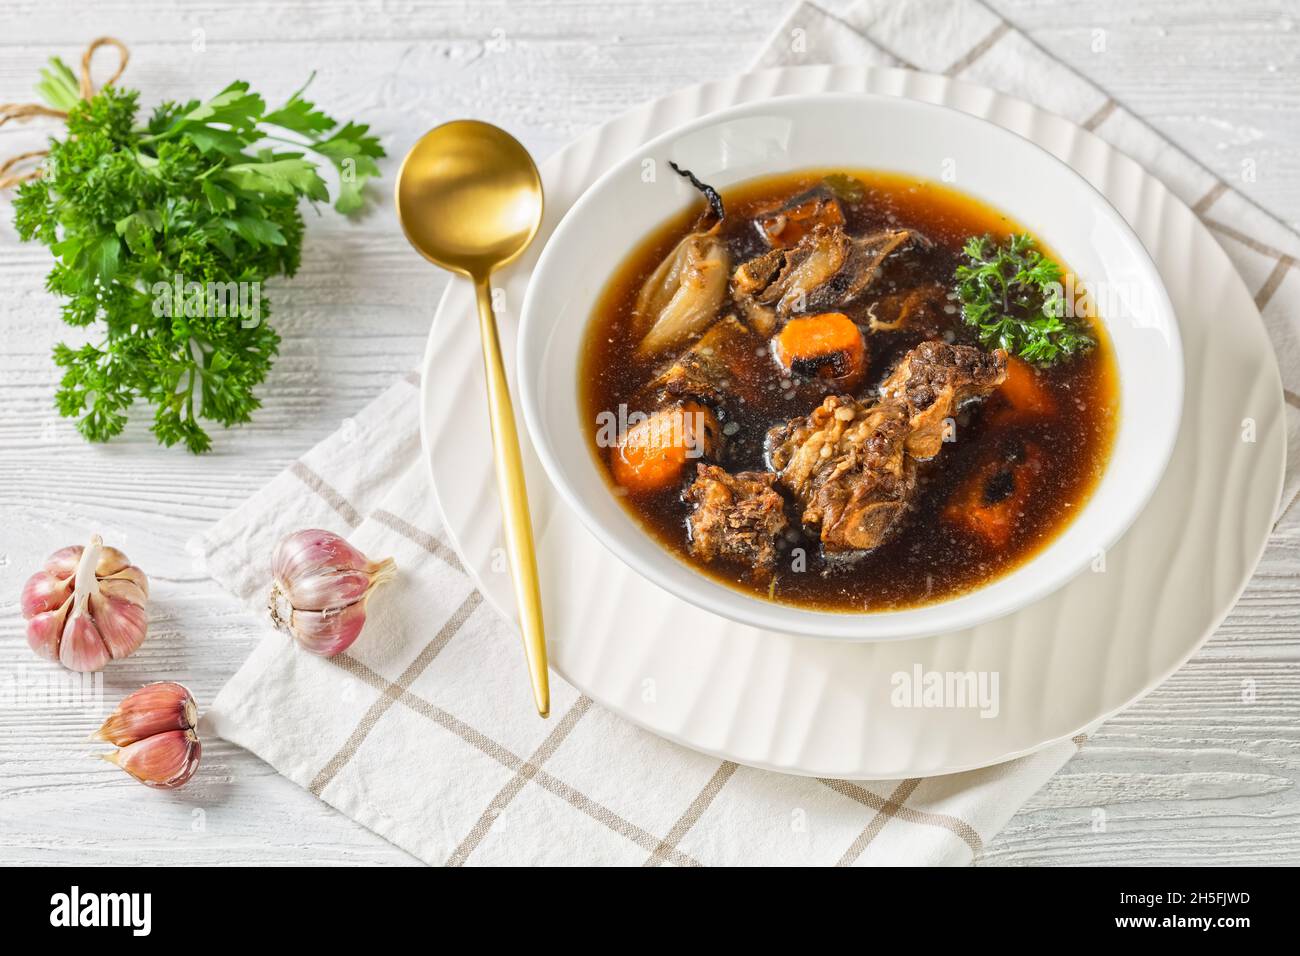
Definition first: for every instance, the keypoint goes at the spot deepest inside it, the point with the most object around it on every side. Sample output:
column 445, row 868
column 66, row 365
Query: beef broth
column 1016, row 470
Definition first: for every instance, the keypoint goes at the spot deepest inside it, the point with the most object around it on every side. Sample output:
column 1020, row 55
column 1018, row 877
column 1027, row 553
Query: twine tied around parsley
column 10, row 173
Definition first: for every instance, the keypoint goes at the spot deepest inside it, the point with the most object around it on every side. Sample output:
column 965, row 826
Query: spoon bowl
column 469, row 197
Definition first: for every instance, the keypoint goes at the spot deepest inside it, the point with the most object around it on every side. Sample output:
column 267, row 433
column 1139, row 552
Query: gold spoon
column 469, row 198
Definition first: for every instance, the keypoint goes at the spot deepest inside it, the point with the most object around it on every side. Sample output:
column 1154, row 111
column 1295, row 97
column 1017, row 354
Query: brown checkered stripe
column 895, row 805
column 399, row 692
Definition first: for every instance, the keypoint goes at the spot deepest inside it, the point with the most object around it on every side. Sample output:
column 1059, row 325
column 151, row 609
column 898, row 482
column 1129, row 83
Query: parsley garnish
column 1011, row 295
column 205, row 191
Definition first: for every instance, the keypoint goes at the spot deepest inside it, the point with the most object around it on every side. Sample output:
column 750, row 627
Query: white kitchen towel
column 423, row 731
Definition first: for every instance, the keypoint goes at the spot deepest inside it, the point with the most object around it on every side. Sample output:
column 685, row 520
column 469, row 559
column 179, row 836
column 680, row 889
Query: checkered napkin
column 423, row 731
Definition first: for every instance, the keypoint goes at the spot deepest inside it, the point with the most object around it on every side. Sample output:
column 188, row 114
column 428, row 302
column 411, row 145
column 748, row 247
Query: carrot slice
column 654, row 453
column 829, row 346
column 1024, row 392
column 991, row 501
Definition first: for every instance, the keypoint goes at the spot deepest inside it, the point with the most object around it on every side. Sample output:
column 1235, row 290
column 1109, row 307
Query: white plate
column 898, row 135
column 831, row 709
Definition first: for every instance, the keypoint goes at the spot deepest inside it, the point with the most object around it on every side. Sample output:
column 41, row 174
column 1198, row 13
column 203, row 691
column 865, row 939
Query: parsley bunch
column 207, row 192
column 1011, row 295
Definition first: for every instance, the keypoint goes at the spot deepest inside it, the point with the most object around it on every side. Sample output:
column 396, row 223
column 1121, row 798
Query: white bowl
column 861, row 131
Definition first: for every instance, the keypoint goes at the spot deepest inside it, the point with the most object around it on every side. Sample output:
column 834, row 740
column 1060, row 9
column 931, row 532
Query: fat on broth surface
column 932, row 557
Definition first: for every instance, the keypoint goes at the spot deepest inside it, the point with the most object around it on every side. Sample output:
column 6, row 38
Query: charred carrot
column 992, row 500
column 829, row 346
column 654, row 453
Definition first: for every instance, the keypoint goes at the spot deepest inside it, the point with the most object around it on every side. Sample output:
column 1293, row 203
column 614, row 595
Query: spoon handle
column 514, row 501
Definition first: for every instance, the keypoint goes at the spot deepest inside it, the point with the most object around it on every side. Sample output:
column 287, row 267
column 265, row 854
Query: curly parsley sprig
column 1011, row 295
column 205, row 191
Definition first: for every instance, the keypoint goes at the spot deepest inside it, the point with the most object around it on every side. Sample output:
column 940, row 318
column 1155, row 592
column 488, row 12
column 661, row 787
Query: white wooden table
column 1197, row 772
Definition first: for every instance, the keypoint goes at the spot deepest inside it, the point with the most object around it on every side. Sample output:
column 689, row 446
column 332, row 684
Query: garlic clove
column 328, row 632
column 82, row 649
column 153, row 709
column 164, row 761
column 110, row 562
column 122, row 589
column 45, row 592
column 44, row 631
column 63, row 563
column 318, row 592
column 314, row 551
column 122, row 625
column 130, row 575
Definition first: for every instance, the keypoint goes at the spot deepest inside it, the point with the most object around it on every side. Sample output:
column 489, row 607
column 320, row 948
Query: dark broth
column 929, row 559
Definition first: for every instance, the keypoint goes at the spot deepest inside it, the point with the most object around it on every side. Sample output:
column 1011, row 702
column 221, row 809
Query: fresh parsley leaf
column 294, row 176
column 300, row 116
column 1011, row 296
column 353, row 151
column 204, row 195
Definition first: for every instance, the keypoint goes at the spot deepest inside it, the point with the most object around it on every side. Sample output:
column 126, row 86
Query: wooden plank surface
column 1203, row 770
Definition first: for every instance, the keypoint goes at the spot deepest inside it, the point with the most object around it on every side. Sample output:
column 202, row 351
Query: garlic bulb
column 155, row 729
column 321, row 587
column 86, row 607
